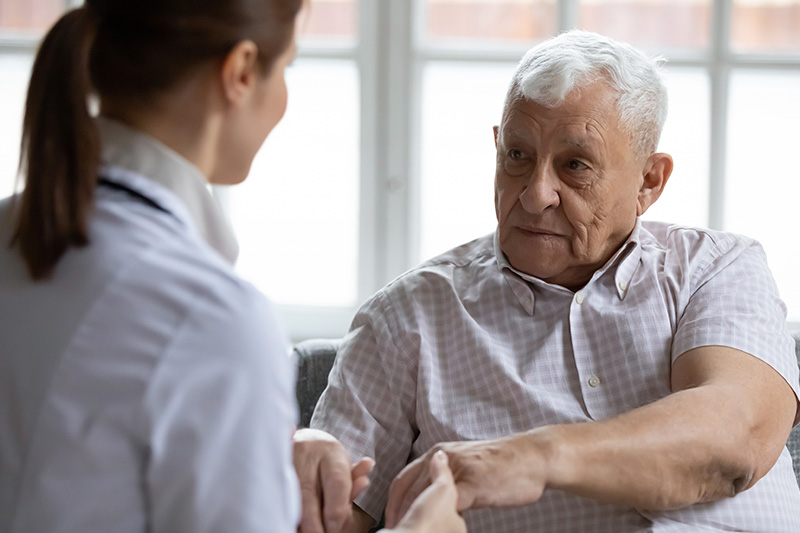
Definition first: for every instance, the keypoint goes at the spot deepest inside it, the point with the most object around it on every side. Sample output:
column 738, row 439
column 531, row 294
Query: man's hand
column 435, row 509
column 328, row 482
column 501, row 472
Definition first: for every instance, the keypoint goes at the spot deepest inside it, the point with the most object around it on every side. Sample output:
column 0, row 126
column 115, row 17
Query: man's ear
column 657, row 171
column 240, row 71
column 496, row 130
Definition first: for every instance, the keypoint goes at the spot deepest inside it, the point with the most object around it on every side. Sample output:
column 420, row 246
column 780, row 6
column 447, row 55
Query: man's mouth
column 539, row 231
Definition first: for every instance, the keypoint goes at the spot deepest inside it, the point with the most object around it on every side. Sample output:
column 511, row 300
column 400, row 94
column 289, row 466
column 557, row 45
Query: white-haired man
column 582, row 369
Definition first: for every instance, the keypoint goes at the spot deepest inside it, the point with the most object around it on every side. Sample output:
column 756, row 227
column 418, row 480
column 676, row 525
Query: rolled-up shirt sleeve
column 369, row 403
column 732, row 300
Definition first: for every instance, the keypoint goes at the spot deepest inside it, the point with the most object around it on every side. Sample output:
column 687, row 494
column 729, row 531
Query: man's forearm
column 665, row 455
column 686, row 448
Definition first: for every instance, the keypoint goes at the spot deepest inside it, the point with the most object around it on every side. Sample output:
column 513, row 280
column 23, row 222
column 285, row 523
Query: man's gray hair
column 554, row 68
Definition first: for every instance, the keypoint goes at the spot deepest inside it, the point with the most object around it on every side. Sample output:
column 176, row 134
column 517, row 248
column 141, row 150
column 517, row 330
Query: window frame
column 390, row 54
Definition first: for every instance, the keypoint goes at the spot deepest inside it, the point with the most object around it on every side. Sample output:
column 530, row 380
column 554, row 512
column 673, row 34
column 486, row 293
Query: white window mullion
column 567, row 14
column 396, row 85
column 719, row 71
column 372, row 18
column 416, row 64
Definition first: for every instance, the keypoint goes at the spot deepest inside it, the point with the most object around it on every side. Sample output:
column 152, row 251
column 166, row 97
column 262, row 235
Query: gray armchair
column 315, row 359
column 314, row 362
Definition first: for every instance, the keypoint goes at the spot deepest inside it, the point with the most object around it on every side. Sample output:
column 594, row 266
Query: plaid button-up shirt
column 464, row 347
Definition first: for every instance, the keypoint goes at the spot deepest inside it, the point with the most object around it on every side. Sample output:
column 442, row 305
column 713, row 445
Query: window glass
column 329, row 20
column 763, row 184
column 37, row 15
column 498, row 20
column 16, row 69
column 686, row 139
column 296, row 216
column 461, row 102
column 650, row 23
column 767, row 26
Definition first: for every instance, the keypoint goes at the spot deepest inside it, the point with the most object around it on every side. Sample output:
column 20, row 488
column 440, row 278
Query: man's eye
column 515, row 155
column 574, row 164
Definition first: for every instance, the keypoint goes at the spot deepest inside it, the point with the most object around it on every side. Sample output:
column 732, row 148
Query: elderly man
column 583, row 370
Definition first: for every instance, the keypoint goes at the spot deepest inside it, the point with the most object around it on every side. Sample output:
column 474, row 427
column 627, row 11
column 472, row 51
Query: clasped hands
column 427, row 494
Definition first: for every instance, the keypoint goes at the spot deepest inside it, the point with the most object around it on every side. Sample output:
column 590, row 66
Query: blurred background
column 386, row 158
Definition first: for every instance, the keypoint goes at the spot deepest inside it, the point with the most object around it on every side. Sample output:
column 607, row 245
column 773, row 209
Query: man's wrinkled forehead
column 568, row 137
column 579, row 120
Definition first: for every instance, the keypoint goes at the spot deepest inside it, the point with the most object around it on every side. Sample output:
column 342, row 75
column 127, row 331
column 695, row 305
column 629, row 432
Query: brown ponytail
column 60, row 147
column 127, row 51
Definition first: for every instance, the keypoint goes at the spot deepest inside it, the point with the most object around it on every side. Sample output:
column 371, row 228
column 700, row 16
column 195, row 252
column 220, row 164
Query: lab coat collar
column 139, row 153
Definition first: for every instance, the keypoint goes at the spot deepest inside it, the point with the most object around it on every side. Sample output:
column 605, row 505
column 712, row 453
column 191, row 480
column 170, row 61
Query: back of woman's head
column 122, row 51
column 145, row 46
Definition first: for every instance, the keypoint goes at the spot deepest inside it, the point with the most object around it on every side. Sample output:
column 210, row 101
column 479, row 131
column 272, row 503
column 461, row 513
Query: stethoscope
column 105, row 182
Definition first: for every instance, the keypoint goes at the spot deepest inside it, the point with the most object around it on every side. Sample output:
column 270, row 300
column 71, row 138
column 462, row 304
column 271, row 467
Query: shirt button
column 594, row 381
column 622, row 285
column 579, row 298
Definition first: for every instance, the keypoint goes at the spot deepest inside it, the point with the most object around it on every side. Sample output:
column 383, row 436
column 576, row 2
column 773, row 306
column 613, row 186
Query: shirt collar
column 624, row 263
column 135, row 151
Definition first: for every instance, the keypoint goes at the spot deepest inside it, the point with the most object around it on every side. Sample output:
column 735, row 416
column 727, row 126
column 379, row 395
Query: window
column 385, row 156
column 733, row 77
column 297, row 215
column 21, row 24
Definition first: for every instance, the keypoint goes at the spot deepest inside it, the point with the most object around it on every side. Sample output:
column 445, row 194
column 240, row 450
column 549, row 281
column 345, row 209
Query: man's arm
column 719, row 432
column 368, row 406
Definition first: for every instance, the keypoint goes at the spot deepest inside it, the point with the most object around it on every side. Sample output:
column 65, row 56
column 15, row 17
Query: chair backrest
column 315, row 359
column 314, row 362
column 794, row 437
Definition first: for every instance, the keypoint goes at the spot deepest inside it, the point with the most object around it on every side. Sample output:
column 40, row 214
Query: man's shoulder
column 698, row 253
column 677, row 237
column 445, row 277
column 464, row 255
column 473, row 256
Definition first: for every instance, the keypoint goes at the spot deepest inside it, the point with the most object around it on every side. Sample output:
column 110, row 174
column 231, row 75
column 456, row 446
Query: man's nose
column 542, row 190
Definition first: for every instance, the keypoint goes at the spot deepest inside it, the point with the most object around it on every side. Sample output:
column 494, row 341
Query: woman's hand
column 434, row 511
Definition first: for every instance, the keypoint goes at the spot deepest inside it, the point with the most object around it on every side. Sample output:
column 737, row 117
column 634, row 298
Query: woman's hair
column 121, row 50
column 551, row 70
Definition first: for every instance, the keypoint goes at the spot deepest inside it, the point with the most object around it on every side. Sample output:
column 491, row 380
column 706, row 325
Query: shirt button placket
column 583, row 355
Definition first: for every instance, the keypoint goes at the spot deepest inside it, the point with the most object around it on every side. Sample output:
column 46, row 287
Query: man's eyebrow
column 581, row 144
column 515, row 136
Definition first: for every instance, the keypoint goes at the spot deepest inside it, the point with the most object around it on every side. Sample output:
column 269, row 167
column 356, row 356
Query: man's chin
column 542, row 268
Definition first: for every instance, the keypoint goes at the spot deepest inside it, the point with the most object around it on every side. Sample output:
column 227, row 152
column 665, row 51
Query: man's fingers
column 336, row 487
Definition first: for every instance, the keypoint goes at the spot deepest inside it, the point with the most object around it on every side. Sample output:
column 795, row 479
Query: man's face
column 567, row 185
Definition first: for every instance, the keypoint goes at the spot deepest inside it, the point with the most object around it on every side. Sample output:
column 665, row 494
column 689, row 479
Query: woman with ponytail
column 143, row 385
